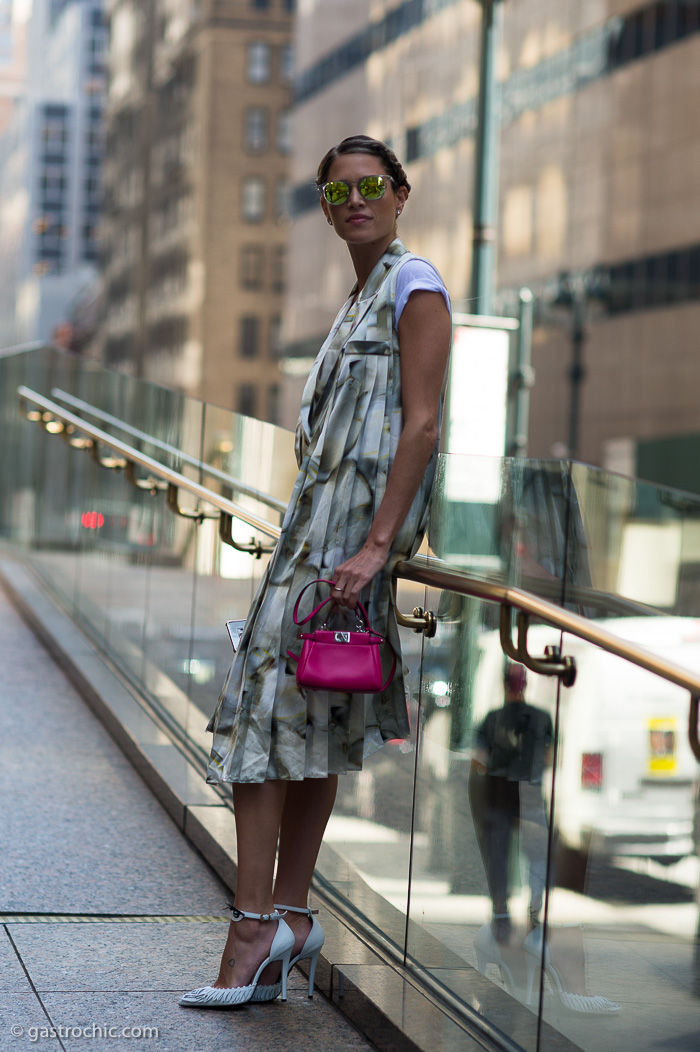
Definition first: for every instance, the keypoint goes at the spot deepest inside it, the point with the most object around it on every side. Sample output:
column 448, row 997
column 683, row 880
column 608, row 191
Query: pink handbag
column 347, row 662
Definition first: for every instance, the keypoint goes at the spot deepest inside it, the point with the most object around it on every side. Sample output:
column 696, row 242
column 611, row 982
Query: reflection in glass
column 513, row 747
column 532, row 849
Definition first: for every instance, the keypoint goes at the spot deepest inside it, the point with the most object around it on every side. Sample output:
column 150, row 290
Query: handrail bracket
column 421, row 620
column 255, row 548
column 150, row 484
column 75, row 439
column 111, row 463
column 553, row 663
column 194, row 514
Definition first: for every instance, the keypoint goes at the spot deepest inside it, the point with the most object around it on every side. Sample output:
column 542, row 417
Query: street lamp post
column 486, row 162
column 573, row 291
column 577, row 372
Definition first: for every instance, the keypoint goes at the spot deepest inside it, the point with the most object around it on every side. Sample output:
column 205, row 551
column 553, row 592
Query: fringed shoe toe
column 232, row 997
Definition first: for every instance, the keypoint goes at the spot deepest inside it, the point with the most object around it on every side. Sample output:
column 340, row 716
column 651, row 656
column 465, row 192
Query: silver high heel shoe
column 489, row 952
column 536, row 957
column 311, row 949
column 229, row 997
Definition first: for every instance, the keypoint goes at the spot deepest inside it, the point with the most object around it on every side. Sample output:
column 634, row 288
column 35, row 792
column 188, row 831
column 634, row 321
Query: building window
column 246, row 399
column 273, row 403
column 250, row 337
column 282, row 199
column 253, row 199
column 52, row 183
column 284, row 132
column 274, row 346
column 258, row 62
column 278, row 269
column 256, row 123
column 286, row 63
column 252, row 264
column 55, row 133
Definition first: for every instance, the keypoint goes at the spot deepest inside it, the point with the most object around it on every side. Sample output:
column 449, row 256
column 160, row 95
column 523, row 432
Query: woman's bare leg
column 307, row 808
column 258, row 808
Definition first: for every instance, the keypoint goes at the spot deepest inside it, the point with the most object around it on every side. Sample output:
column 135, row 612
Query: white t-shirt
column 417, row 274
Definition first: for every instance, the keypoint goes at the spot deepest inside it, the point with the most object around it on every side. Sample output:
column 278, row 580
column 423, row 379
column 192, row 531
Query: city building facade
column 598, row 206
column 12, row 59
column 196, row 190
column 50, row 161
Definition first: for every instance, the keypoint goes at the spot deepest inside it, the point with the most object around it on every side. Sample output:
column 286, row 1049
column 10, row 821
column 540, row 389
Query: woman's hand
column 352, row 576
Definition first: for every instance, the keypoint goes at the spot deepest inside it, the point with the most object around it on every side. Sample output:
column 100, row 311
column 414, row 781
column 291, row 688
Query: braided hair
column 365, row 144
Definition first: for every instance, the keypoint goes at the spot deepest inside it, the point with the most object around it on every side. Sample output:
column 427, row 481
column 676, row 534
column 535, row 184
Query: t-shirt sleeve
column 417, row 274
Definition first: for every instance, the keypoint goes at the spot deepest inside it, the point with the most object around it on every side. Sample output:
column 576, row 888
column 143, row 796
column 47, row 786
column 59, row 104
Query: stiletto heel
column 537, row 957
column 230, row 997
column 311, row 949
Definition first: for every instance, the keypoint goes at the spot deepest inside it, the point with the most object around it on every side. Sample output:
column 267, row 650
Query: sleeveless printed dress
column 265, row 726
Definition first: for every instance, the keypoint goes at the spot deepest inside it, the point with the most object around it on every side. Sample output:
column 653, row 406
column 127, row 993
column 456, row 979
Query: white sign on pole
column 476, row 414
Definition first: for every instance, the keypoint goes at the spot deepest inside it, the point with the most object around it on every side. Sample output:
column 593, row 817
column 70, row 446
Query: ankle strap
column 296, row 909
column 239, row 915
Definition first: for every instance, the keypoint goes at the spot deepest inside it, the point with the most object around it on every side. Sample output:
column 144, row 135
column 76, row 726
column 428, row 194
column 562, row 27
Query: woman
column 366, row 449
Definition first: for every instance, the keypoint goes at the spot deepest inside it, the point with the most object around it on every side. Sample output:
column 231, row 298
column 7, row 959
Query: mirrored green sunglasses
column 372, row 187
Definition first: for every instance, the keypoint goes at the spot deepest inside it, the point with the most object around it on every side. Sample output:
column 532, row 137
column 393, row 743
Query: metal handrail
column 135, row 432
column 435, row 574
column 174, row 478
column 426, row 571
column 431, row 572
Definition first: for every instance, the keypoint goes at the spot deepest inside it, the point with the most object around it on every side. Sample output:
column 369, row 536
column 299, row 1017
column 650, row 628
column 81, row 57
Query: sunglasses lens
column 372, row 187
column 336, row 193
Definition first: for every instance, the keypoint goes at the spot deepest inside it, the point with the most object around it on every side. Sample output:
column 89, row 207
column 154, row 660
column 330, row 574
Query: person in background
column 513, row 749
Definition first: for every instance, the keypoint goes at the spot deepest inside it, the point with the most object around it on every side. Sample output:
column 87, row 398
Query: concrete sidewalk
column 108, row 913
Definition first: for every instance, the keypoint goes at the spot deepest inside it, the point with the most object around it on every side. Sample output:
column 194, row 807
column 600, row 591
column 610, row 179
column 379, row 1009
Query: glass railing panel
column 507, row 520
column 620, row 969
column 599, row 543
column 164, row 561
column 643, row 544
column 122, row 526
column 121, row 405
column 17, row 446
column 258, row 456
column 366, row 853
column 614, row 821
column 481, row 836
column 58, row 489
column 257, row 453
column 226, row 578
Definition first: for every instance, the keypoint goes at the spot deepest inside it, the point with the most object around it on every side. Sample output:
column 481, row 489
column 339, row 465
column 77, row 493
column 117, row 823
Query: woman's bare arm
column 424, row 342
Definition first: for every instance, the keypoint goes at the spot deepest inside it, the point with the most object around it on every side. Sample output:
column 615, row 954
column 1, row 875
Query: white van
column 626, row 776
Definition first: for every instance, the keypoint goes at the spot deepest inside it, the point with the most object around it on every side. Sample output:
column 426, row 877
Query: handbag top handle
column 330, row 599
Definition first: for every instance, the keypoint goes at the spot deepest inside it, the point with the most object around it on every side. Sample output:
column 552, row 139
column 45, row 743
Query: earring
column 329, row 221
column 398, row 211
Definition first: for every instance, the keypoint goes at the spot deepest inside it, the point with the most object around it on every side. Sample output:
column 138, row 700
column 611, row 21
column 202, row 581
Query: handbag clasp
column 342, row 637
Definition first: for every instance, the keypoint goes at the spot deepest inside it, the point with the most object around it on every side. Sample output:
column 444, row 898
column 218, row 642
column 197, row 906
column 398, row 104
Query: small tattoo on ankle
column 232, row 962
